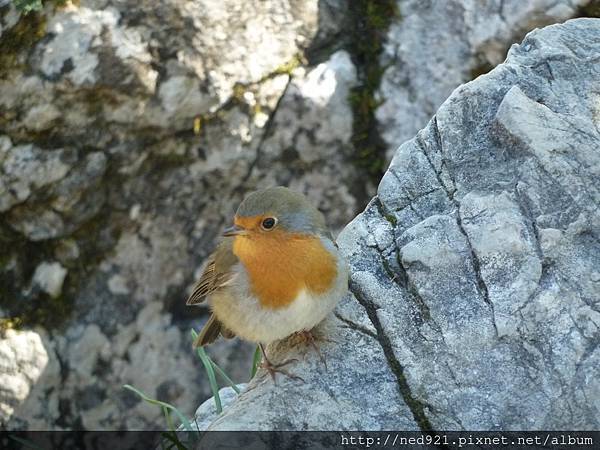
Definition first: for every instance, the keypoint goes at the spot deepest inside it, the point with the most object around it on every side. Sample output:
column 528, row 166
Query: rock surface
column 23, row 360
column 475, row 297
column 128, row 134
column 208, row 411
column 439, row 45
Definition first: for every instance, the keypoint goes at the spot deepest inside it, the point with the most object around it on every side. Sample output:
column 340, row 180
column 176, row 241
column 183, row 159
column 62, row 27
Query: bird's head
column 275, row 213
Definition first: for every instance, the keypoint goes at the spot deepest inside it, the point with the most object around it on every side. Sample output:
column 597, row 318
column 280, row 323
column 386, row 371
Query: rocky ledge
column 475, row 271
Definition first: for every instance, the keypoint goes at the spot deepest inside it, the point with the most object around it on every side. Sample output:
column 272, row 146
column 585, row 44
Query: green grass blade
column 218, row 370
column 210, row 373
column 172, row 437
column 222, row 373
column 168, row 419
column 25, row 442
column 255, row 361
column 186, row 423
column 211, row 378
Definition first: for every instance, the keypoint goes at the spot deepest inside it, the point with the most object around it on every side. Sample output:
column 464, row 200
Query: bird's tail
column 211, row 331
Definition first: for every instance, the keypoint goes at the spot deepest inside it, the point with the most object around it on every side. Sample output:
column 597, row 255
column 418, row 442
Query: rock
column 71, row 196
column 100, row 46
column 473, row 303
column 23, row 360
column 435, row 47
column 49, row 277
column 207, row 411
column 166, row 118
column 312, row 135
column 26, row 168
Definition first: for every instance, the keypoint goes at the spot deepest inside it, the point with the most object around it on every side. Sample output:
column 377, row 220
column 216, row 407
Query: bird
column 276, row 272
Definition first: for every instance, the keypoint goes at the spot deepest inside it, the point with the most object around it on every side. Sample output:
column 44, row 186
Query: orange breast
column 280, row 265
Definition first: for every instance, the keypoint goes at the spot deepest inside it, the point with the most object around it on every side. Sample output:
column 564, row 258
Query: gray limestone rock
column 475, row 300
column 24, row 361
column 50, row 277
column 436, row 46
column 129, row 132
column 208, row 411
column 25, row 168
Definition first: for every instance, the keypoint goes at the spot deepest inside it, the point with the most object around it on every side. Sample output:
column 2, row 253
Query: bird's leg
column 309, row 337
column 274, row 368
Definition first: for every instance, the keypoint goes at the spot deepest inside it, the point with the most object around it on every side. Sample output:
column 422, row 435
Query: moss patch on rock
column 592, row 9
column 371, row 20
column 23, row 304
column 16, row 41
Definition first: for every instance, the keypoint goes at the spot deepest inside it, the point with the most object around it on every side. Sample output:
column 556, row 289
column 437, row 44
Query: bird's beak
column 234, row 231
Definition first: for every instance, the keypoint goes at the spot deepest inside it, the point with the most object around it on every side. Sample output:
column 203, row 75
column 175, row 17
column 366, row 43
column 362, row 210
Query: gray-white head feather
column 293, row 211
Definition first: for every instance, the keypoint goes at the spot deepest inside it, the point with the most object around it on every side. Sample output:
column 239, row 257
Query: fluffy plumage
column 265, row 284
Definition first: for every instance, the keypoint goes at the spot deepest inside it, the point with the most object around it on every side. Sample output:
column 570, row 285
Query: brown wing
column 210, row 332
column 218, row 272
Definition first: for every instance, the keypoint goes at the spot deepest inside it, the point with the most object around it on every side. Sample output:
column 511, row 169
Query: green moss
column 238, row 91
column 25, row 309
column 592, row 9
column 391, row 219
column 23, row 36
column 27, row 6
column 51, row 315
column 97, row 99
column 371, row 20
column 482, row 68
column 288, row 67
column 30, row 28
column 63, row 3
column 10, row 324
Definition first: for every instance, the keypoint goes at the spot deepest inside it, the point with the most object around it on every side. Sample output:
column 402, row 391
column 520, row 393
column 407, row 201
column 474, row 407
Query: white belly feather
column 241, row 312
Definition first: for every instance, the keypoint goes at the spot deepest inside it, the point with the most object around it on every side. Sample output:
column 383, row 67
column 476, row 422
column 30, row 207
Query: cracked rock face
column 437, row 46
column 475, row 293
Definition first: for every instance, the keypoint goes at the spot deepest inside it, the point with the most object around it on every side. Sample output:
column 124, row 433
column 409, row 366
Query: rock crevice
column 416, row 407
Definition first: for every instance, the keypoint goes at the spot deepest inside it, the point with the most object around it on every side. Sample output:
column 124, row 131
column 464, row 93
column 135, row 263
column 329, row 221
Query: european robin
column 276, row 272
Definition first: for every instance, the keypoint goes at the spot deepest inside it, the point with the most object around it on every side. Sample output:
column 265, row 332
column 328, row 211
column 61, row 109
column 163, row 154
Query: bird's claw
column 309, row 337
column 277, row 368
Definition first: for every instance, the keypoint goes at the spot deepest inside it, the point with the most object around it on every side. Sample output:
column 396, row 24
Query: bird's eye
column 268, row 223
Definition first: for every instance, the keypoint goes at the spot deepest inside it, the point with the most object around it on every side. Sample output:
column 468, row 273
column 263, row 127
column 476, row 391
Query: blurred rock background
column 130, row 131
